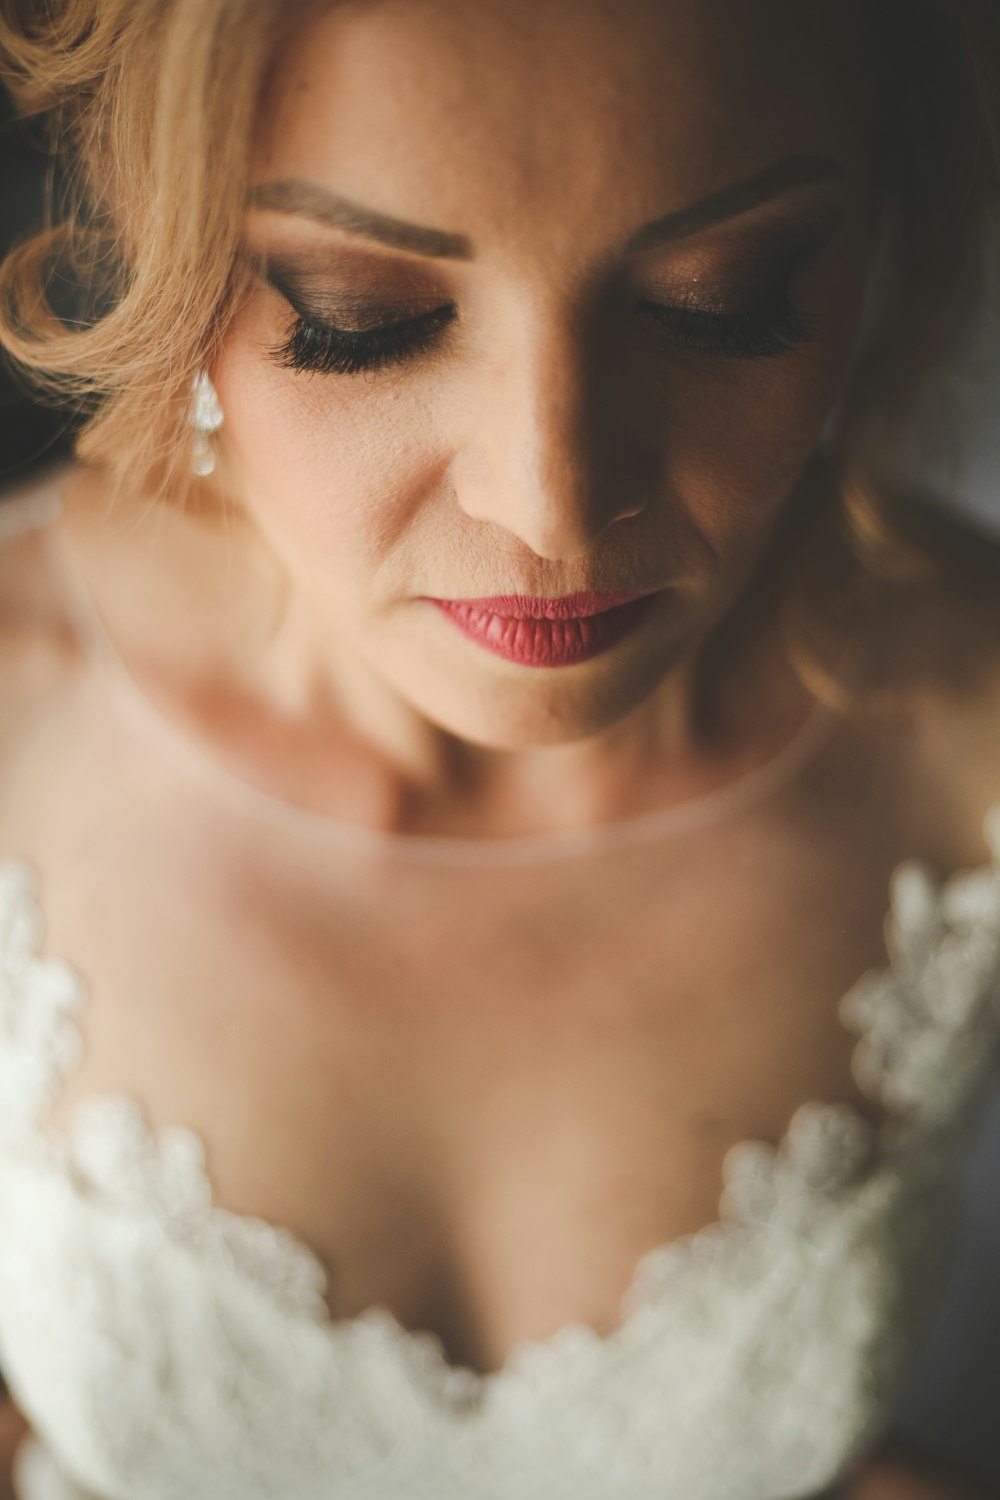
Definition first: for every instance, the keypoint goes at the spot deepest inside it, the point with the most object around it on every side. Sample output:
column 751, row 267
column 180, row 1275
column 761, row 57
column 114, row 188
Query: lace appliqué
column 940, row 995
column 39, row 1044
column 111, row 1150
column 788, row 1315
column 935, row 999
column 161, row 1175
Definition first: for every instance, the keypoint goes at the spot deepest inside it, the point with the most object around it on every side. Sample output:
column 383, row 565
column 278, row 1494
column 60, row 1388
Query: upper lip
column 531, row 607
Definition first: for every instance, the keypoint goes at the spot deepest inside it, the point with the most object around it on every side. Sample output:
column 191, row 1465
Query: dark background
column 953, row 1405
column 30, row 434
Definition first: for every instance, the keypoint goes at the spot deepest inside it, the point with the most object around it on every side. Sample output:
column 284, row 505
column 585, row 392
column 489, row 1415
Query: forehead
column 474, row 113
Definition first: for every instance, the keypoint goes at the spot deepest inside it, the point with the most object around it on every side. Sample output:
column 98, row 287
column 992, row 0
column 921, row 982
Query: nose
column 539, row 460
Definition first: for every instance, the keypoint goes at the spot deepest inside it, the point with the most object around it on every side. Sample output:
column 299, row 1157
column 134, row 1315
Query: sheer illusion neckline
column 927, row 1025
column 744, row 791
column 924, row 1023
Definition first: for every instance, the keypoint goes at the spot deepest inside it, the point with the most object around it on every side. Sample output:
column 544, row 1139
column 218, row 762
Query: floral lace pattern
column 37, row 996
column 164, row 1347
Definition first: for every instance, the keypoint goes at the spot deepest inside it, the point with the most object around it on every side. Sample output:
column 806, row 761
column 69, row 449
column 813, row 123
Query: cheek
column 742, row 432
column 340, row 474
column 331, row 472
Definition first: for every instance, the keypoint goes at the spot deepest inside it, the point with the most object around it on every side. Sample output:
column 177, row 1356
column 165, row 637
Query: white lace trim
column 39, row 1044
column 928, row 1024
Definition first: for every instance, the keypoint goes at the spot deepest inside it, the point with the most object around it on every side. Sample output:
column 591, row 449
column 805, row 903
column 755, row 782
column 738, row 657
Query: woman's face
column 578, row 283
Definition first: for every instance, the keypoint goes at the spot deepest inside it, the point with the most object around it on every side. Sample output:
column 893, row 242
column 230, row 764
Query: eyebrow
column 293, row 195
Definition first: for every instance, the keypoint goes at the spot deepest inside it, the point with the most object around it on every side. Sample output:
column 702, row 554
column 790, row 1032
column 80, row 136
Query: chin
column 523, row 710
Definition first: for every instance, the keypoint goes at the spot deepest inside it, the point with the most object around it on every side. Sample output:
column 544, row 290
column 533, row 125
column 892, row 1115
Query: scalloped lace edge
column 825, row 1149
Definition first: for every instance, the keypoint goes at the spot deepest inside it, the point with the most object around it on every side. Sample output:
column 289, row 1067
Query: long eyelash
column 323, row 349
column 768, row 330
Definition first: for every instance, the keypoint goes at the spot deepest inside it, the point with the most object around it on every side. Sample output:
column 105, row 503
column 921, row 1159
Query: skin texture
column 556, row 438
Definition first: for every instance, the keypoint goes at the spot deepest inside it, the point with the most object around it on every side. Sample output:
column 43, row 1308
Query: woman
column 463, row 714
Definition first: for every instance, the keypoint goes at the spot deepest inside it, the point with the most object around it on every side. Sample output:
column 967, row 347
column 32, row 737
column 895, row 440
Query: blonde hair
column 153, row 103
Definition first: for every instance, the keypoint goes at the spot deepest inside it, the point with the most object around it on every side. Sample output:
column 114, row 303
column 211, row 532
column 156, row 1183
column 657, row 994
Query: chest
column 479, row 1096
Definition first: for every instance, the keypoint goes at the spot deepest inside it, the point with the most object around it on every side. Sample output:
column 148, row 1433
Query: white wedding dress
column 164, row 1348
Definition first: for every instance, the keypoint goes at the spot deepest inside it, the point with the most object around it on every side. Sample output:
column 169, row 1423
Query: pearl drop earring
column 206, row 417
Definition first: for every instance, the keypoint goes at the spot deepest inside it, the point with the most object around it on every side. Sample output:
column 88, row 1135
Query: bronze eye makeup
column 730, row 300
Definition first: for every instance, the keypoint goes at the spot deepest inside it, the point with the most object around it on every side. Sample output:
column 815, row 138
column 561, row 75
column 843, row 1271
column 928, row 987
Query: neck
column 292, row 712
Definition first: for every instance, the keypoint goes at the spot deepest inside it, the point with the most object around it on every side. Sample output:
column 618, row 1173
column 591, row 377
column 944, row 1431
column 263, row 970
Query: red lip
column 528, row 607
column 516, row 628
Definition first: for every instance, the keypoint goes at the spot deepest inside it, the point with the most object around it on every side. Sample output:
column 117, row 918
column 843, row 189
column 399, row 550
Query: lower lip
column 546, row 643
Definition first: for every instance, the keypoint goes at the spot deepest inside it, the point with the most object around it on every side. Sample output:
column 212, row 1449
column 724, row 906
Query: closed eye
column 771, row 328
column 323, row 348
column 316, row 345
